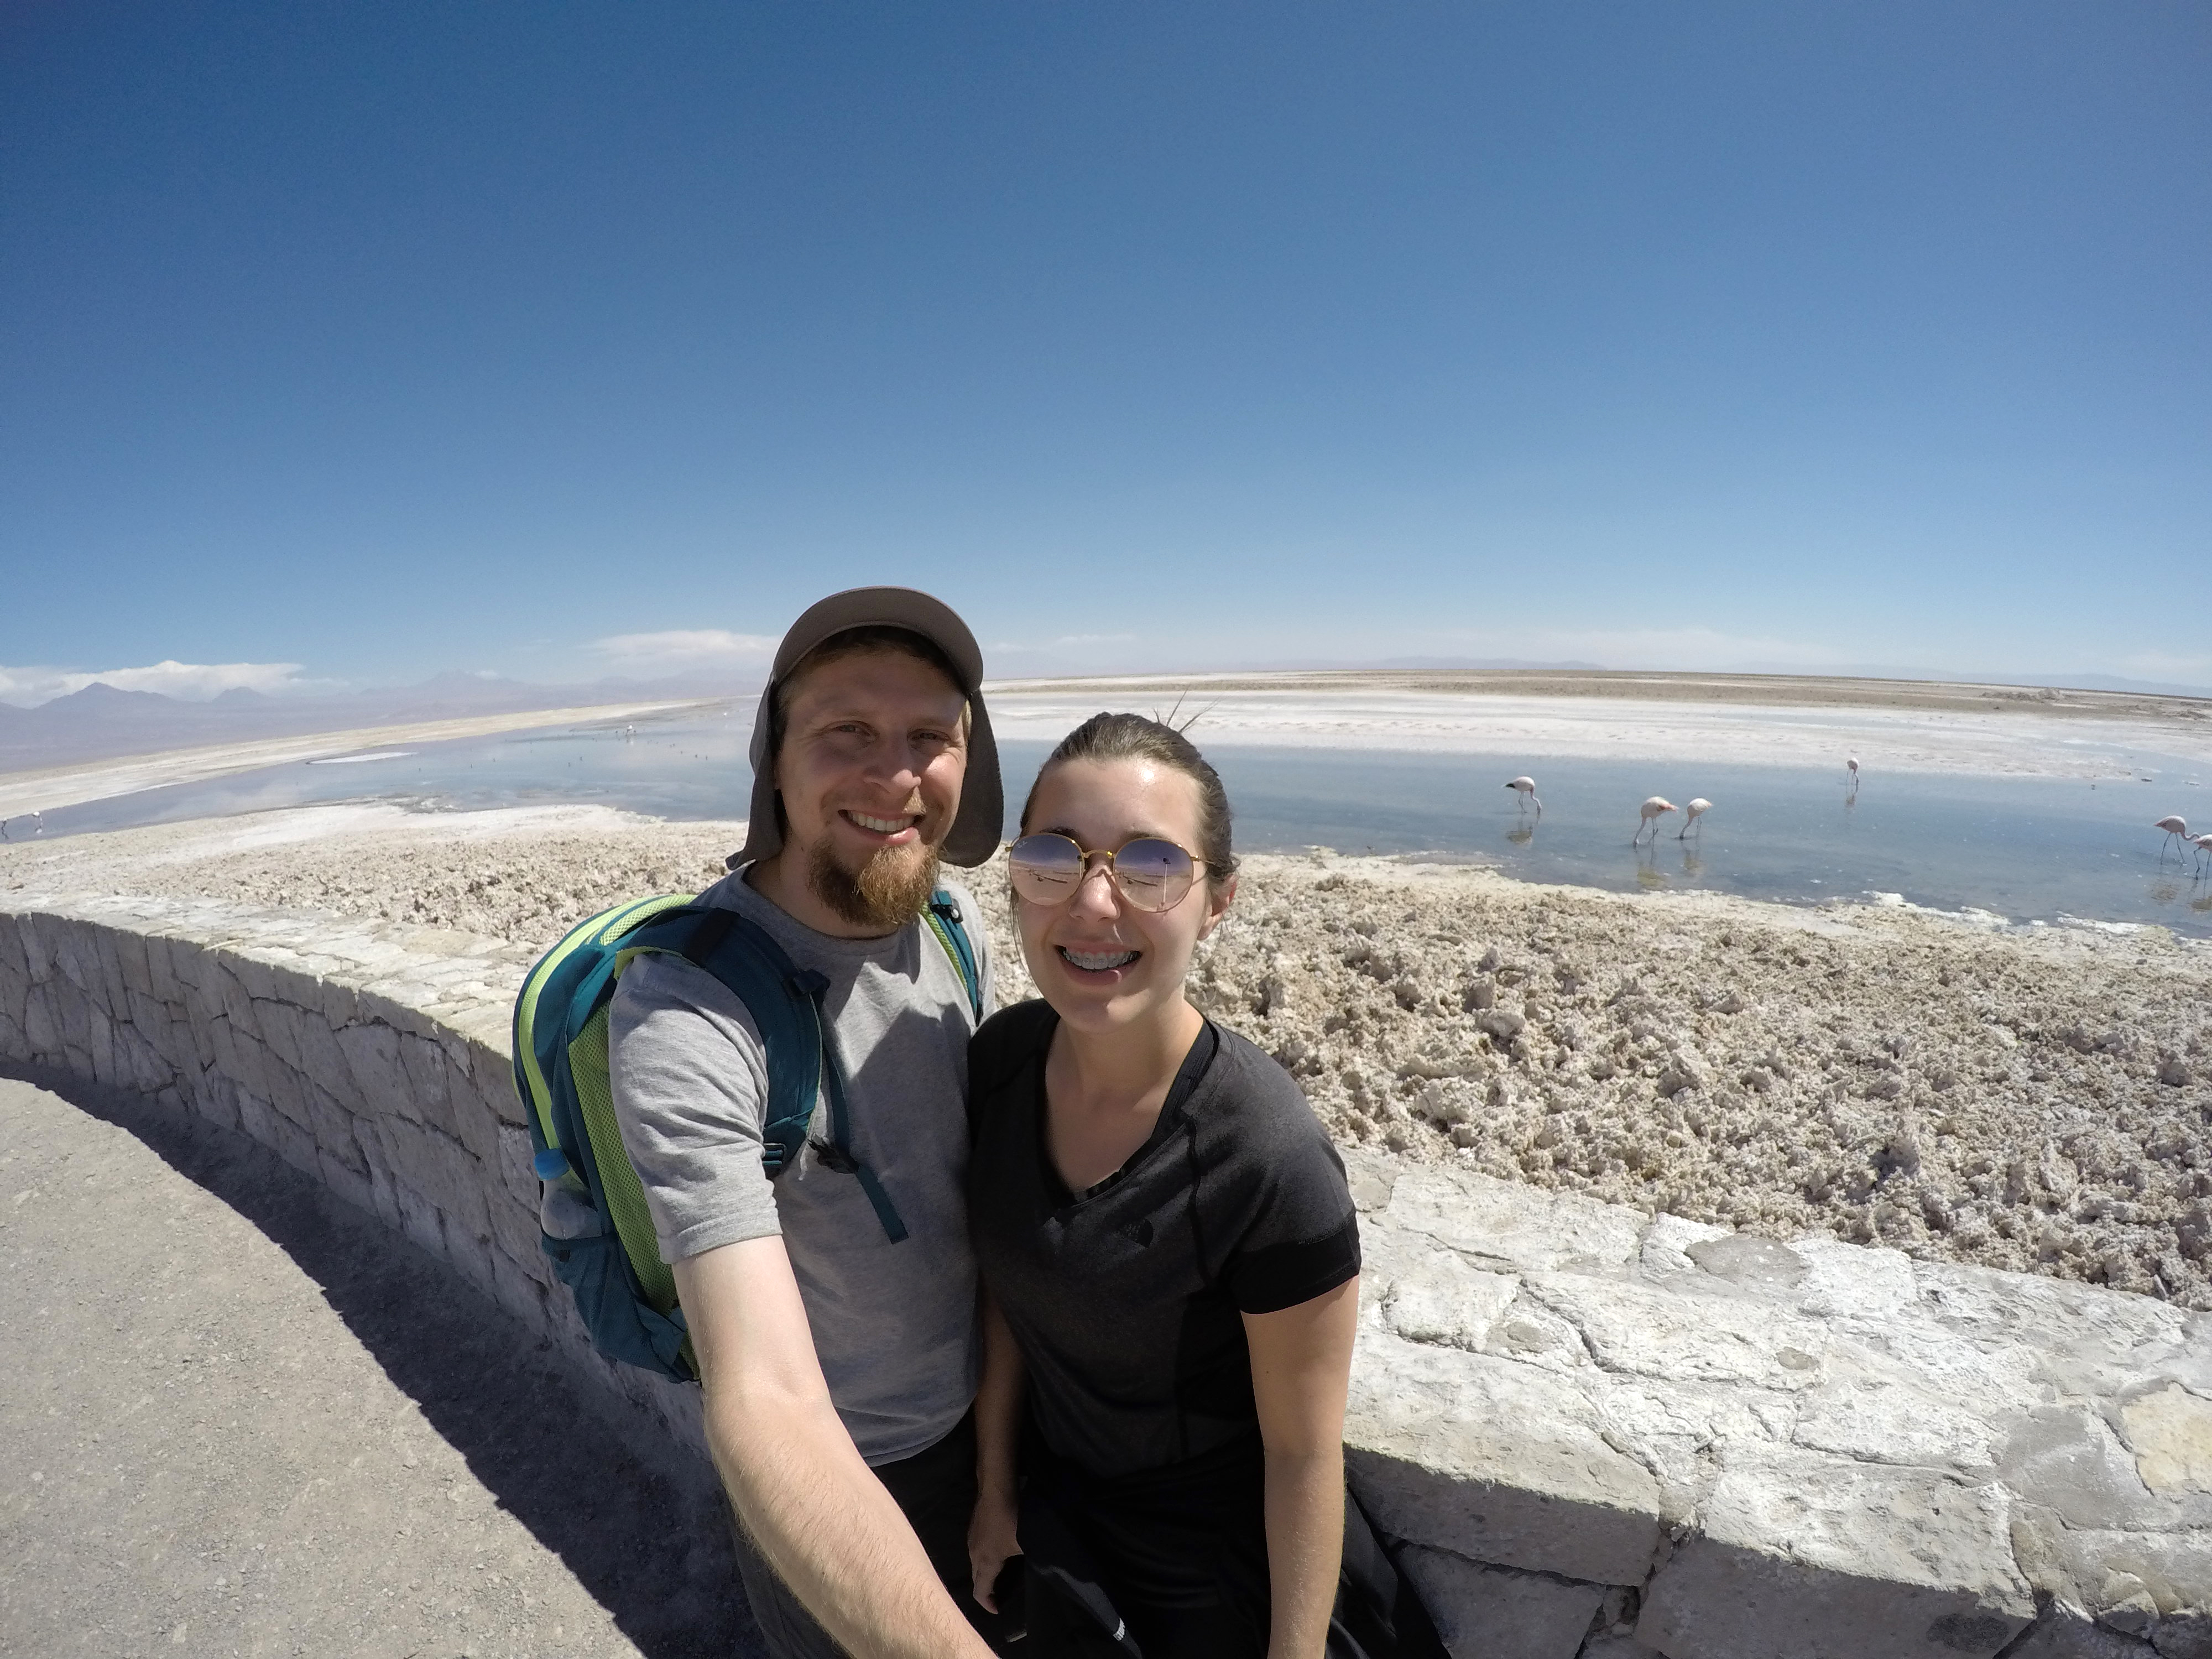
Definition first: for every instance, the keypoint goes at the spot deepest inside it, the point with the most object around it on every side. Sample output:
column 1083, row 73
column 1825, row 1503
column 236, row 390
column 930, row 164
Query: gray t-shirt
column 894, row 1324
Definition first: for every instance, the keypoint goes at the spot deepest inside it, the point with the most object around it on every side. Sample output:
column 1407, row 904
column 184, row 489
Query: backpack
column 593, row 1223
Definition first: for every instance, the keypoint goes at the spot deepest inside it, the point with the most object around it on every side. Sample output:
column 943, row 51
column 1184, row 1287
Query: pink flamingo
column 2177, row 830
column 2203, row 846
column 1648, row 815
column 1526, row 788
column 1697, row 808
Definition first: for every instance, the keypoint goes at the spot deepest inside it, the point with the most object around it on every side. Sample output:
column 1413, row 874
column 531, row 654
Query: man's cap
column 976, row 826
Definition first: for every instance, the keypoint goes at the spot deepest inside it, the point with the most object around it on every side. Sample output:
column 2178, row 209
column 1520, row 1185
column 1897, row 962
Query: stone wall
column 1599, row 1433
column 371, row 1056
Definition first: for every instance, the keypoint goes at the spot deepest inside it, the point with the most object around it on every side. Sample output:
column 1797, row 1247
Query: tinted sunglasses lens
column 1045, row 869
column 1152, row 874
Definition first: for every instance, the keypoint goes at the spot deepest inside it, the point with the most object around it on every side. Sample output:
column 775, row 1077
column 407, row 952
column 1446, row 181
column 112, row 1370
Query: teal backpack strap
column 802, row 1053
column 945, row 922
column 837, row 1153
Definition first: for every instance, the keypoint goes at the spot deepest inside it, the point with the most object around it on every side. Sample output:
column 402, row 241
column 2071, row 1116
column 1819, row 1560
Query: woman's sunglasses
column 1150, row 873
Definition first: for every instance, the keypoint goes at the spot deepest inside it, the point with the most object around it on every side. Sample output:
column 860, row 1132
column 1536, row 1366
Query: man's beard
column 891, row 889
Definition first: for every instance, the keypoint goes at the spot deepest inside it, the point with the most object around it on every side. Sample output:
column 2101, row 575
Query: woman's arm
column 1301, row 1372
column 991, row 1534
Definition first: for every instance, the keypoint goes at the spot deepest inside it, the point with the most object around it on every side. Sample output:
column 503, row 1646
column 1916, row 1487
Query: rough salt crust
column 2034, row 1100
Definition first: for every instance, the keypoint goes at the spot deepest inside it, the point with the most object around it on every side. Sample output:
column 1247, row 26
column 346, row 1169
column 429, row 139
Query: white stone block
column 1495, row 1612
column 2088, row 1340
column 2094, row 1568
column 2067, row 1459
column 2170, row 1431
column 1803, row 1557
column 1436, row 1297
column 1679, row 1332
column 1510, row 1228
column 1873, row 1410
column 1665, row 1249
column 1497, row 1463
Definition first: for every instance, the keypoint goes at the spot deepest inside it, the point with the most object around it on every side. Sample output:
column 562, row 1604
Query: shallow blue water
column 2024, row 849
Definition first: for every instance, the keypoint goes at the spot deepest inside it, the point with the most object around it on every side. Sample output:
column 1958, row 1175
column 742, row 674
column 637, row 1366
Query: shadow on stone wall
column 650, row 1545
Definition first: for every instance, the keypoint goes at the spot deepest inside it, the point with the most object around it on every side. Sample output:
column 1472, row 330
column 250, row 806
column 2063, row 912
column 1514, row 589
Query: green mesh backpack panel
column 595, row 1226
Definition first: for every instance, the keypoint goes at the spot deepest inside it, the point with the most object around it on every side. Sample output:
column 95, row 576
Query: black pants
column 936, row 1490
column 1172, row 1564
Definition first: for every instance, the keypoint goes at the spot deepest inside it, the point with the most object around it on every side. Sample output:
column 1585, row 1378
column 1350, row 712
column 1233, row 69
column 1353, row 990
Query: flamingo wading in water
column 1648, row 815
column 1526, row 788
column 1697, row 808
column 2177, row 830
column 2203, row 846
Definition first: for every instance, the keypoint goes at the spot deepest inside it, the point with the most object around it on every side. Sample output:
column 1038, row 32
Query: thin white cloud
column 192, row 682
column 683, row 647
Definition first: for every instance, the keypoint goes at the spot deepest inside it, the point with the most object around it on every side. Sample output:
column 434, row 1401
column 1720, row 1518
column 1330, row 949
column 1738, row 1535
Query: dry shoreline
column 2030, row 1100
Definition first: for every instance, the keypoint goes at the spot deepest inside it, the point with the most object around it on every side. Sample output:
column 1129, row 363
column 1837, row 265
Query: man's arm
column 812, row 1506
column 1301, row 1374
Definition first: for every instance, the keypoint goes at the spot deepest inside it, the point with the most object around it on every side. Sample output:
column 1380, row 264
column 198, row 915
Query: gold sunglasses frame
column 1113, row 874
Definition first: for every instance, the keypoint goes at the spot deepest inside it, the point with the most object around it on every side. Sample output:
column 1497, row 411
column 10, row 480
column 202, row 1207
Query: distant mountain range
column 101, row 722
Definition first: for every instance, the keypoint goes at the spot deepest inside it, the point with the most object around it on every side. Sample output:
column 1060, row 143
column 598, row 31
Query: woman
column 1170, row 1255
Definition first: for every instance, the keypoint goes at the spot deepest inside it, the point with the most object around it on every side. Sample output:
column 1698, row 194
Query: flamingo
column 1526, row 788
column 1851, row 765
column 2177, row 828
column 1648, row 815
column 2203, row 846
column 1697, row 808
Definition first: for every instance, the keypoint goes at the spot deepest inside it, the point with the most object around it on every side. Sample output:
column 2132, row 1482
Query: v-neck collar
column 1195, row 1064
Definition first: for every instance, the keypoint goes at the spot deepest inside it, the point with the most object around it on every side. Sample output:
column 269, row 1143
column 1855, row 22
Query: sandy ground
column 2039, row 1099
column 52, row 787
column 254, row 1421
column 1891, row 726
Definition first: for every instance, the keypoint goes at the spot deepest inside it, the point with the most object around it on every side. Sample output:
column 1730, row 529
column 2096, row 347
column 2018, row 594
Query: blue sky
column 382, row 340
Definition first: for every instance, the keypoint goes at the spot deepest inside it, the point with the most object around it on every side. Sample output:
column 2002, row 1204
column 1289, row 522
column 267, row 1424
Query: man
column 833, row 1308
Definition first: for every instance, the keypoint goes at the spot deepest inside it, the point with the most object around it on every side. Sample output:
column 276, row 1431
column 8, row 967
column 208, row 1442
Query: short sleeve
column 1304, row 1239
column 688, row 1073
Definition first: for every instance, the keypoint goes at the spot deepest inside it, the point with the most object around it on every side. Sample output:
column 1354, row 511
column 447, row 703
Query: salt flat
column 1891, row 726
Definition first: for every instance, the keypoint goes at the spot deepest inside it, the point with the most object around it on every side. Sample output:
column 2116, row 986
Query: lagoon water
column 2026, row 850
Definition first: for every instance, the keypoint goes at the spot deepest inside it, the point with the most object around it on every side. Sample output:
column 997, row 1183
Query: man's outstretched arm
column 812, row 1506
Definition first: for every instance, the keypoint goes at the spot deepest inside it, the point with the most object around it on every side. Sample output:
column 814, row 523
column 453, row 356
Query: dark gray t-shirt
column 894, row 1325
column 1127, row 1300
